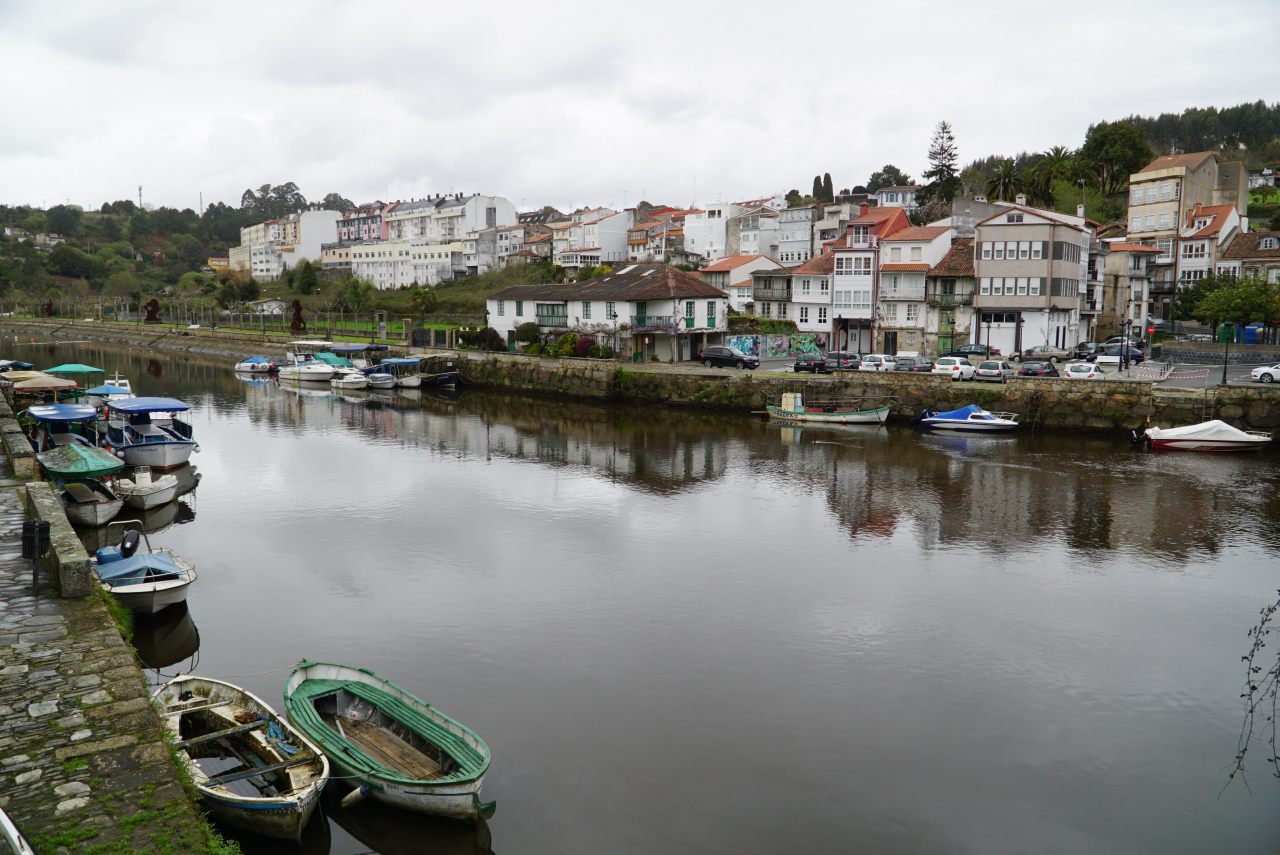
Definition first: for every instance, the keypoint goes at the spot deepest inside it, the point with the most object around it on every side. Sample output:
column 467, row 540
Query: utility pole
column 139, row 195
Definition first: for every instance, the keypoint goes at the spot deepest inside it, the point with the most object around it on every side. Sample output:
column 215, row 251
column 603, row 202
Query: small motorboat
column 387, row 743
column 56, row 425
column 793, row 407
column 379, row 378
column 970, row 419
column 405, row 370
column 7, row 365
column 147, row 432
column 255, row 365
column 76, row 470
column 301, row 362
column 445, row 380
column 1213, row 435
column 349, row 378
column 142, row 492
column 13, row 838
column 100, row 396
column 251, row 768
column 144, row 582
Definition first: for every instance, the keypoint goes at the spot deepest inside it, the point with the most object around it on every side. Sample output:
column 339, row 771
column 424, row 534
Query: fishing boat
column 970, row 419
column 301, row 362
column 147, row 432
column 7, row 365
column 794, row 407
column 13, row 838
column 1213, row 435
column 76, row 471
column 255, row 365
column 55, row 425
column 143, row 493
column 444, row 380
column 252, row 770
column 144, row 582
column 404, row 370
column 398, row 749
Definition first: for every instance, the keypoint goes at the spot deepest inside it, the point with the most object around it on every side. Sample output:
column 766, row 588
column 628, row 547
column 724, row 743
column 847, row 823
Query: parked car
column 1110, row 355
column 1118, row 340
column 839, row 360
column 876, row 362
column 1084, row 348
column 811, row 362
column 1043, row 353
column 1083, row 371
column 1038, row 369
column 1265, row 374
column 957, row 366
column 917, row 364
column 994, row 370
column 981, row 351
column 725, row 357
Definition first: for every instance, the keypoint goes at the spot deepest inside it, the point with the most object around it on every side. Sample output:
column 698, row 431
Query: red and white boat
column 1207, row 436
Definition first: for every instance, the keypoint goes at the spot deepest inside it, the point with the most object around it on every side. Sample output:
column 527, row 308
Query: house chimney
column 1020, row 199
column 862, row 209
column 1080, row 211
column 979, row 198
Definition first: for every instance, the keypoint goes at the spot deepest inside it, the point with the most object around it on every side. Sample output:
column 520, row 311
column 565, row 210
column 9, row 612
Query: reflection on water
column 682, row 631
column 389, row 831
column 166, row 638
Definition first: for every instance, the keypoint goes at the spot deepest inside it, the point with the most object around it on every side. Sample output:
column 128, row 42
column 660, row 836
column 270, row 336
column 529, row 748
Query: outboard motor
column 924, row 414
column 129, row 545
column 1139, row 438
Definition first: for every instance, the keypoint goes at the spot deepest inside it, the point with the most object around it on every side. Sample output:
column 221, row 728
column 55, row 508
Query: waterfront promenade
column 83, row 765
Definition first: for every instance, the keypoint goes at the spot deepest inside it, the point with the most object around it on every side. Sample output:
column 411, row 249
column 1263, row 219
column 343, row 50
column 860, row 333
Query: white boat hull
column 389, row 383
column 253, row 368
column 1209, row 444
column 413, row 381
column 315, row 373
column 144, row 496
column 157, row 455
column 358, row 382
column 151, row 597
column 93, row 513
column 282, row 817
column 877, row 416
column 970, row 427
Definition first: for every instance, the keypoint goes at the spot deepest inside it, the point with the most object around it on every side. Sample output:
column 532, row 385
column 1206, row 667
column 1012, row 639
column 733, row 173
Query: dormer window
column 1270, row 243
column 1013, row 218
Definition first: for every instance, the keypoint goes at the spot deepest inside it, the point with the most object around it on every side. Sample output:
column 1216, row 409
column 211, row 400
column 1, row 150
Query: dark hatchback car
column 981, row 351
column 728, row 357
column 839, row 360
column 1038, row 369
column 811, row 362
column 914, row 363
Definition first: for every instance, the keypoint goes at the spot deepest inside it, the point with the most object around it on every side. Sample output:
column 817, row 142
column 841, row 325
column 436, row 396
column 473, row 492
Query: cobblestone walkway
column 83, row 766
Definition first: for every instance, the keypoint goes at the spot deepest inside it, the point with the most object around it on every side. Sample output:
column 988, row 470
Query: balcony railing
column 782, row 294
column 553, row 320
column 1089, row 306
column 960, row 298
column 903, row 294
column 650, row 320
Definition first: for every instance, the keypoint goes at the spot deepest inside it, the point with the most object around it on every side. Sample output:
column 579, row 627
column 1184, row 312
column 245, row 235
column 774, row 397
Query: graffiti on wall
column 748, row 344
column 779, row 346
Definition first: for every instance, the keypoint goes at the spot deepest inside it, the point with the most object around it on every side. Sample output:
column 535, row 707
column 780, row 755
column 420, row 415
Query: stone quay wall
column 1209, row 353
column 1055, row 403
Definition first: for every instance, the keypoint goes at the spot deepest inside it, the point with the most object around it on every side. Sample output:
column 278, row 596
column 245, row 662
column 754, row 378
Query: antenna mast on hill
column 139, row 195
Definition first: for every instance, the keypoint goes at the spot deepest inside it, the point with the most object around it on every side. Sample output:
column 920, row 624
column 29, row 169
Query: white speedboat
column 142, row 581
column 349, row 378
column 970, row 419
column 252, row 769
column 1207, row 436
column 255, row 365
column 379, row 378
column 142, row 492
column 405, row 370
column 147, row 432
column 301, row 363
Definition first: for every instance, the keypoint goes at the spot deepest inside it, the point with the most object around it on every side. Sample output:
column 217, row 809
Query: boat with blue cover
column 396, row 748
column 54, row 425
column 251, row 769
column 147, row 432
column 404, row 370
column 145, row 581
column 970, row 419
column 100, row 396
column 255, row 365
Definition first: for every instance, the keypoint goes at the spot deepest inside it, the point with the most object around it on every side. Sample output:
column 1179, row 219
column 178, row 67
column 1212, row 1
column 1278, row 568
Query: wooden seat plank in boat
column 229, row 777
column 388, row 749
column 80, row 493
column 230, row 731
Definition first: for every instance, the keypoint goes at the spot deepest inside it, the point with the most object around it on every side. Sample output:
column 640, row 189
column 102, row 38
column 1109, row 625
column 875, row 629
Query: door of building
column 891, row 342
column 946, row 329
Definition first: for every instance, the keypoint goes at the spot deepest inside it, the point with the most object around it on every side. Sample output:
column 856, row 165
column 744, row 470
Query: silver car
column 995, row 371
column 1044, row 353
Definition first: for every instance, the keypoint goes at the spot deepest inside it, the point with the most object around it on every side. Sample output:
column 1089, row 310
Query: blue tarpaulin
column 137, row 570
column 961, row 414
column 62, row 413
column 256, row 360
column 148, row 405
column 108, row 389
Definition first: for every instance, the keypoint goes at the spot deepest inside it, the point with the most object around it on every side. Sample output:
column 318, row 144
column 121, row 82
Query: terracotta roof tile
column 731, row 262
column 1131, row 247
column 919, row 233
column 957, row 262
column 904, row 266
column 1218, row 213
column 1169, row 161
column 823, row 265
column 640, row 282
column 1249, row 246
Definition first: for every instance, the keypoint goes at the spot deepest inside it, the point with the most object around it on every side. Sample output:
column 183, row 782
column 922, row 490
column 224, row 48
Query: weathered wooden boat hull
column 458, row 798
column 281, row 817
column 92, row 513
column 876, row 416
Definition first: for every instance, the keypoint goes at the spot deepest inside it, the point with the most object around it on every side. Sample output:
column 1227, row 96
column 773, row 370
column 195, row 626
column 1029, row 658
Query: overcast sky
column 573, row 103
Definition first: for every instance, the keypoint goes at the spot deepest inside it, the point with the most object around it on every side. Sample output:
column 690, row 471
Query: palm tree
column 1005, row 182
column 1038, row 184
column 1058, row 159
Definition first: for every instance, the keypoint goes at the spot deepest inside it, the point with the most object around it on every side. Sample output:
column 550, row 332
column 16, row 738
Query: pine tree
column 828, row 194
column 942, row 176
column 817, row 189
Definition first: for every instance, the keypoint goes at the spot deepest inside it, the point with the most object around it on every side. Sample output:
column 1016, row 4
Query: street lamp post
column 486, row 326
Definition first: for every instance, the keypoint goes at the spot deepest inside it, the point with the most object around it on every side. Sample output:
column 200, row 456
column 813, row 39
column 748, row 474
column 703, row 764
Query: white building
column 795, row 233
column 855, row 276
column 905, row 258
column 277, row 245
column 595, row 242
column 811, row 294
column 733, row 276
column 704, row 230
column 753, row 232
column 899, row 197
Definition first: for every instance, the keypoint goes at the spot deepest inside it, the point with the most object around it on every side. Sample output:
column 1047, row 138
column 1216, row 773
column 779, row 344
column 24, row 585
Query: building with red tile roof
column 733, row 275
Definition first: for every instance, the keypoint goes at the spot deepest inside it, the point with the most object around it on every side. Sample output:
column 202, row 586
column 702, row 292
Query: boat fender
column 356, row 796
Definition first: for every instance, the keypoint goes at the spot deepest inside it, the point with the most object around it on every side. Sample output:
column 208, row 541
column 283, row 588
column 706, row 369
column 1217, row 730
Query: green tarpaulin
column 74, row 368
column 78, row 461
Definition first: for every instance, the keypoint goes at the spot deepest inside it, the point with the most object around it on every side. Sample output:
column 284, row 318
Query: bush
column 606, row 351
column 527, row 332
column 536, row 347
column 584, row 345
column 551, row 350
column 593, row 352
column 654, row 358
column 568, row 344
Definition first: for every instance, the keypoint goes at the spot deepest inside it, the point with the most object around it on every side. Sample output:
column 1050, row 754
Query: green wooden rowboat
column 398, row 749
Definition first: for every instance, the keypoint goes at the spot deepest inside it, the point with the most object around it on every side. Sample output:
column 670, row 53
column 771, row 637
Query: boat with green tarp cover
column 75, row 470
column 399, row 749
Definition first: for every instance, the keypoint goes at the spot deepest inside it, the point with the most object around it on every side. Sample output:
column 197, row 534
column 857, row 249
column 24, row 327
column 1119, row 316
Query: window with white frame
column 1024, row 249
column 1164, row 221
column 1037, row 250
column 915, row 253
column 913, row 313
column 823, row 286
column 1011, row 250
column 984, row 286
column 997, row 287
column 782, row 310
column 986, row 250
column 1269, row 242
column 1166, row 192
column 804, row 314
column 890, row 312
column 862, row 298
column 1135, row 224
column 998, row 250
column 862, row 266
column 891, row 284
column 1013, row 218
column 767, row 310
column 1034, row 286
column 1192, row 275
column 843, row 299
column 1022, row 286
column 1137, row 196
column 844, row 265
column 1151, row 194
column 911, row 338
column 895, row 253
column 1194, row 249
column 804, row 286
column 822, row 314
column 1149, row 223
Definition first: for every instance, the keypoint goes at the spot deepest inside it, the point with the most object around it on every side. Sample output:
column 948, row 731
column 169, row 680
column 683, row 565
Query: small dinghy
column 143, row 582
column 379, row 377
column 75, row 470
column 398, row 749
column 252, row 770
column 1207, row 436
column 255, row 365
column 970, row 419
column 142, row 492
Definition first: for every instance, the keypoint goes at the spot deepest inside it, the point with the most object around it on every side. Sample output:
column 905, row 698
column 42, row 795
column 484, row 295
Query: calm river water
column 701, row 634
